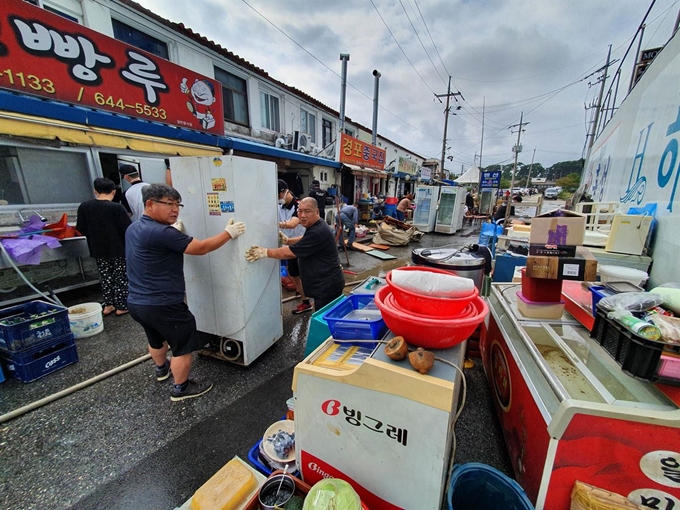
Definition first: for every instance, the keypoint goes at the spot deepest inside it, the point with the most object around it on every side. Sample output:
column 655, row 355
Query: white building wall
column 635, row 160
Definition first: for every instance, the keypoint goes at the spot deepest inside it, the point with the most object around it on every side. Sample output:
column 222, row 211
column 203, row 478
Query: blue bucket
column 476, row 486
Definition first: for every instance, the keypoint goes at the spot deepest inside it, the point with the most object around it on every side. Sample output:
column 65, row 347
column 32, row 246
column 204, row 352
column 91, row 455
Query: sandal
column 108, row 310
column 120, row 313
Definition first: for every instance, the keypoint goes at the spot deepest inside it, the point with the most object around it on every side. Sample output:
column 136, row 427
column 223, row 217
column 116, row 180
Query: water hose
column 56, row 396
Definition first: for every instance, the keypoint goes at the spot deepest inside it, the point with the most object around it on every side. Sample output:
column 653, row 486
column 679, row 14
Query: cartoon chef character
column 201, row 97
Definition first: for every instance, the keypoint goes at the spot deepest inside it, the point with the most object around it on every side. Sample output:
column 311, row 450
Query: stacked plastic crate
column 35, row 340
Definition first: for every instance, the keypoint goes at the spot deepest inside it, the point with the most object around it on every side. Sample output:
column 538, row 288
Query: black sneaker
column 162, row 373
column 193, row 389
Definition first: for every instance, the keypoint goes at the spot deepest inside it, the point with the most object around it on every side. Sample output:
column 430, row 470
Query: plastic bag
column 632, row 301
column 669, row 327
column 622, row 305
column 433, row 284
column 670, row 292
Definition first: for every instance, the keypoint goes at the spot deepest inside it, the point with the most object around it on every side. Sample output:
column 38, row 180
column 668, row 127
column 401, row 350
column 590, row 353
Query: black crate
column 638, row 357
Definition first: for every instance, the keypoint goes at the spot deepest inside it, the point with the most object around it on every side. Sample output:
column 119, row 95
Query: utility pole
column 516, row 149
column 530, row 167
column 598, row 106
column 448, row 95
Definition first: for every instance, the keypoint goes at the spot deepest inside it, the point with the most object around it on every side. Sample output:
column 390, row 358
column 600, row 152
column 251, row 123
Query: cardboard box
column 582, row 267
column 558, row 227
column 552, row 250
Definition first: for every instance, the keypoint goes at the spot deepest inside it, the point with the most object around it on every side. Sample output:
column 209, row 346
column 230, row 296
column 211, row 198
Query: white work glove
column 235, row 228
column 282, row 224
column 179, row 225
column 283, row 239
column 256, row 253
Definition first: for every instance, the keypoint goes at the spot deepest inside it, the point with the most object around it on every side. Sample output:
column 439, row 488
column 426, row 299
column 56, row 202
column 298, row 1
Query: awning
column 16, row 124
column 366, row 172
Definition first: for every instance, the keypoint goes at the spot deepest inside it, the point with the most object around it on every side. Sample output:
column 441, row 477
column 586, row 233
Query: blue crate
column 258, row 462
column 599, row 292
column 318, row 328
column 34, row 363
column 31, row 324
column 345, row 324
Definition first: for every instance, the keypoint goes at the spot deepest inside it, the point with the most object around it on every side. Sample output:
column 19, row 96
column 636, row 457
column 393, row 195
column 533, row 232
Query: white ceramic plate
column 286, row 426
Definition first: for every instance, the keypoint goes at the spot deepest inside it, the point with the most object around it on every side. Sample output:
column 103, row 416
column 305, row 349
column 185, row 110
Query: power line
column 421, row 42
column 402, row 49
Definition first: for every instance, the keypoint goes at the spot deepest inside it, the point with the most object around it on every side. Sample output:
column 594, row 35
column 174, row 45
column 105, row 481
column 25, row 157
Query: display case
column 426, row 199
column 569, row 413
column 451, row 210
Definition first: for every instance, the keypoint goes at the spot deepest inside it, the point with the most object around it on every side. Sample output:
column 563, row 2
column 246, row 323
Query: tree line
column 566, row 174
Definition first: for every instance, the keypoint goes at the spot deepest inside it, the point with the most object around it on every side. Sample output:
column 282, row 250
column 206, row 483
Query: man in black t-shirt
column 316, row 252
column 320, row 196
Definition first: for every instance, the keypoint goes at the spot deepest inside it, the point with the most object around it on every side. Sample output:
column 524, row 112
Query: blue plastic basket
column 599, row 292
column 32, row 324
column 318, row 327
column 34, row 363
column 476, row 486
column 345, row 324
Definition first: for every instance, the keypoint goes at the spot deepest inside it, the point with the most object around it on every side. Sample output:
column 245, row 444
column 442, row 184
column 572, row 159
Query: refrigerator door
column 426, row 207
column 446, row 213
column 229, row 296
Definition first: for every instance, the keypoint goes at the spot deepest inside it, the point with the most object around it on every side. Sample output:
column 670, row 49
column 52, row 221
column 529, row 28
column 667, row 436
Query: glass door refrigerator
column 450, row 212
column 426, row 207
column 568, row 411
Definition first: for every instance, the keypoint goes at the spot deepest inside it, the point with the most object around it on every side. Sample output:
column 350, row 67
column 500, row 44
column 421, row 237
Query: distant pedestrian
column 403, row 206
column 469, row 201
column 320, row 196
column 133, row 195
column 347, row 218
column 104, row 222
column 316, row 252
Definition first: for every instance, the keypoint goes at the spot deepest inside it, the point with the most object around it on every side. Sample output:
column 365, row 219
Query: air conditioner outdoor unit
column 302, row 141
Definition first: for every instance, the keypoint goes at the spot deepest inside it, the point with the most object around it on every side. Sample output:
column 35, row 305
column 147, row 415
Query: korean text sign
column 356, row 152
column 491, row 179
column 46, row 55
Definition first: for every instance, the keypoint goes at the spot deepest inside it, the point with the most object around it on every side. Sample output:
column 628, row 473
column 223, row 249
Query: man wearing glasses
column 316, row 252
column 154, row 253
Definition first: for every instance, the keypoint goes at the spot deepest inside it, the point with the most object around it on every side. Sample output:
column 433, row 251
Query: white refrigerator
column 451, row 210
column 236, row 302
column 426, row 207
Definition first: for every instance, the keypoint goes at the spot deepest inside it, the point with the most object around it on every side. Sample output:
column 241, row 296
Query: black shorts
column 293, row 268
column 174, row 324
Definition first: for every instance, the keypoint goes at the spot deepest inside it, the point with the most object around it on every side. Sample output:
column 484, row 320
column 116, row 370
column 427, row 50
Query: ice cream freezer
column 569, row 413
column 376, row 423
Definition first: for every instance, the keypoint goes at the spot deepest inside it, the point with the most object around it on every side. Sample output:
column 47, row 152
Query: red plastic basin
column 429, row 332
column 429, row 305
column 469, row 311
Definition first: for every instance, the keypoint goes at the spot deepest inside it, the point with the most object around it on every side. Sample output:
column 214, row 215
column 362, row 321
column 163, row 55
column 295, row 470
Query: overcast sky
column 513, row 56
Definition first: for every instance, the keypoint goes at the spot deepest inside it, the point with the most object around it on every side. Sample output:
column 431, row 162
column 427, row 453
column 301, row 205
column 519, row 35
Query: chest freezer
column 376, row 423
column 425, row 214
column 450, row 212
column 568, row 412
column 236, row 301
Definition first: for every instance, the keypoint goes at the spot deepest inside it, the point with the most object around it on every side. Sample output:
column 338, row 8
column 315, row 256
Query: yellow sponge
column 227, row 489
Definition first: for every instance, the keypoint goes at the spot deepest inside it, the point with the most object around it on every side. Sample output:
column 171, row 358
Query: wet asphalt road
column 122, row 444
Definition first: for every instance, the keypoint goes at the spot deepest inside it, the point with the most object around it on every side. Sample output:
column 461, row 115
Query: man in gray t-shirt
column 133, row 195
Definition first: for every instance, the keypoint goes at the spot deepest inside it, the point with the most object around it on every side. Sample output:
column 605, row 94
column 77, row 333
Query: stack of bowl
column 429, row 321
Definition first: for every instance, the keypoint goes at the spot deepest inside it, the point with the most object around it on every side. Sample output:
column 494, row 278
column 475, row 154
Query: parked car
column 551, row 193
